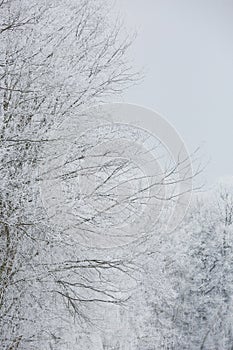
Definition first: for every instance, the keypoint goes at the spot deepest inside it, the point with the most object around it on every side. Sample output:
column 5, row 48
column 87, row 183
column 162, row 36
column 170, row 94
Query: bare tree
column 55, row 57
column 204, row 280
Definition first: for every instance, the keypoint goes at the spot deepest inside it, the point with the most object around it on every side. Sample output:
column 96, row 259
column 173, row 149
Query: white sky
column 186, row 49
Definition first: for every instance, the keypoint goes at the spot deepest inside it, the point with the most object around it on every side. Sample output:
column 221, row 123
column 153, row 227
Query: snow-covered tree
column 55, row 57
column 204, row 283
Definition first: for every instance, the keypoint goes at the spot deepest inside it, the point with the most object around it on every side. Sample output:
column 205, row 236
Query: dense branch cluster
column 55, row 57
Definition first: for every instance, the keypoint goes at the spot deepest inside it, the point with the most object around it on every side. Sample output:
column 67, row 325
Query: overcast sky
column 186, row 49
